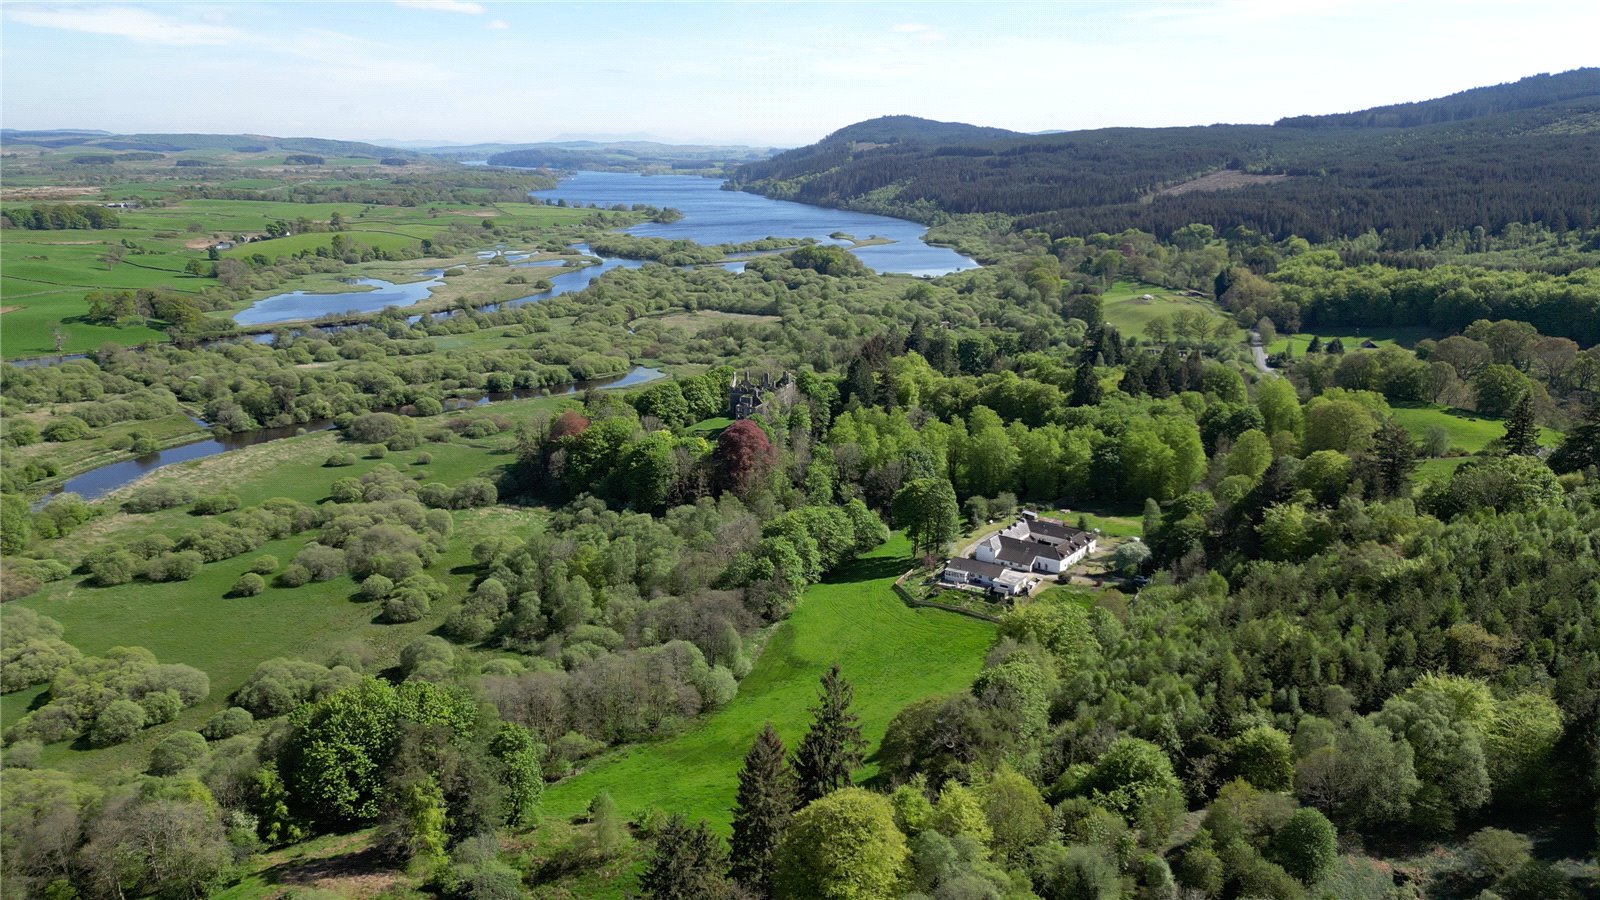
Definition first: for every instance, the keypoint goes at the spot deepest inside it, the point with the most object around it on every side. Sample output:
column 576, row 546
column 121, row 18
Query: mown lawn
column 1124, row 305
column 890, row 653
column 1468, row 430
column 1402, row 335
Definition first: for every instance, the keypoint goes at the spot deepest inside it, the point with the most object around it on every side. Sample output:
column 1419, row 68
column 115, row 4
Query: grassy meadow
column 1399, row 335
column 1125, row 307
column 890, row 653
column 44, row 275
column 1469, row 432
column 194, row 622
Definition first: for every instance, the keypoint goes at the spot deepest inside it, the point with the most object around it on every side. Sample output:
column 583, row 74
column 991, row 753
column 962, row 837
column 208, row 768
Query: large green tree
column 1522, row 430
column 833, row 748
column 926, row 508
column 761, row 810
column 844, row 846
column 1581, row 447
column 689, row 863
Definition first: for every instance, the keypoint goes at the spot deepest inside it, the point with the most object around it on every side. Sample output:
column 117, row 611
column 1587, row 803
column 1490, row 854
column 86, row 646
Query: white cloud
column 450, row 6
column 498, row 25
column 134, row 24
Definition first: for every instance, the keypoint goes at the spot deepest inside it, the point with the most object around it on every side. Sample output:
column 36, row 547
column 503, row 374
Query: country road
column 1260, row 353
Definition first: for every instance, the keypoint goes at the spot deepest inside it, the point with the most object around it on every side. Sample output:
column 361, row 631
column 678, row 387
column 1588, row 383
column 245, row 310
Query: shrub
column 375, row 587
column 110, row 565
column 160, row 706
column 427, row 657
column 152, row 545
column 180, row 566
column 176, row 752
column 424, row 458
column 66, row 428
column 294, row 575
column 120, row 720
column 1306, row 846
column 157, row 497
column 227, row 723
column 374, row 428
column 1496, row 853
column 264, row 565
column 23, row 755
column 248, row 585
column 339, row 460
column 409, row 605
column 320, row 563
column 377, row 451
column 216, row 504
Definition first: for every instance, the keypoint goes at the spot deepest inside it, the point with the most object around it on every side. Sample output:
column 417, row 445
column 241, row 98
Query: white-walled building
column 992, row 576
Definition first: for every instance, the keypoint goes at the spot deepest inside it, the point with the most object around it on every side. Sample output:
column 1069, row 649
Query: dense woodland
column 1523, row 152
column 1346, row 656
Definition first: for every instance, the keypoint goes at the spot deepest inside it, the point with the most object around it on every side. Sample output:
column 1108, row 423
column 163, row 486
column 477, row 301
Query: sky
column 764, row 74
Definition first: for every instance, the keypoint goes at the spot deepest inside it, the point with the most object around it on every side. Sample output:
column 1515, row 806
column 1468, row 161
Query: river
column 96, row 483
column 710, row 216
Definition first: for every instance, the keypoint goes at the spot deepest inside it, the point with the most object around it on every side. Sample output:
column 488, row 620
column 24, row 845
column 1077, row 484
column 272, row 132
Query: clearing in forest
column 890, row 653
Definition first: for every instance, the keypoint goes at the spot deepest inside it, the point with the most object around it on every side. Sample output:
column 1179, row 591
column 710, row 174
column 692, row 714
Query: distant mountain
column 621, row 156
column 911, row 129
column 178, row 143
column 1522, row 152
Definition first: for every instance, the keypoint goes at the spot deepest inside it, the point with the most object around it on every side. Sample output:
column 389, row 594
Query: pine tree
column 1315, row 346
column 761, row 809
column 689, row 863
column 1522, row 432
column 1396, row 456
column 833, row 748
column 1085, row 384
column 1581, row 448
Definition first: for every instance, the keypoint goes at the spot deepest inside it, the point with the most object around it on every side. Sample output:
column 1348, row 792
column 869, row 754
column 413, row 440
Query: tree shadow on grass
column 870, row 569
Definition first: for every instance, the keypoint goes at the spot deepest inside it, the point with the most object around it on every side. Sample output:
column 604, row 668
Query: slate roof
column 1024, row 552
column 1075, row 537
column 977, row 567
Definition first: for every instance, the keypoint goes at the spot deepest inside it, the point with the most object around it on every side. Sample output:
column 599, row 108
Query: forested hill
column 1523, row 152
column 611, row 156
column 178, row 143
column 1528, row 93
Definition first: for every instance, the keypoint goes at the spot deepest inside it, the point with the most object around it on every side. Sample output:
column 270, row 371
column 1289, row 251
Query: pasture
column 1124, row 305
column 1469, row 431
column 890, row 653
column 1397, row 335
column 46, row 274
column 194, row 622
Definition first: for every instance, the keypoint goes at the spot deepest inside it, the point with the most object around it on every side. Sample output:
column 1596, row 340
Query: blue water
column 96, row 483
column 715, row 216
column 297, row 306
column 710, row 216
column 575, row 280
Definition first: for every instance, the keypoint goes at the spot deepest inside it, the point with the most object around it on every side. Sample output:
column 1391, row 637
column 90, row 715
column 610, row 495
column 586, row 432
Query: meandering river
column 96, row 483
column 710, row 216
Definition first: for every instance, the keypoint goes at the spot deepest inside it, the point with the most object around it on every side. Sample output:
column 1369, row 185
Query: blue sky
column 770, row 74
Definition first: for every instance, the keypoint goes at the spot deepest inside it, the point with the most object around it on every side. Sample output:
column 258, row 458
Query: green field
column 891, row 653
column 193, row 622
column 1468, row 431
column 1124, row 305
column 44, row 275
column 1399, row 335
